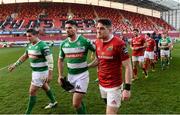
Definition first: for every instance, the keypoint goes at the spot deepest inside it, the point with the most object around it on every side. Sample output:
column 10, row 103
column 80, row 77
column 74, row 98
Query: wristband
column 127, row 86
column 18, row 63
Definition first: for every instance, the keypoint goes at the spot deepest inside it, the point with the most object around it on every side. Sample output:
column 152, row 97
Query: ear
column 110, row 29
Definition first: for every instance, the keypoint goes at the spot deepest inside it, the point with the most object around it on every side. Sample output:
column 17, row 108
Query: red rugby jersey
column 138, row 42
column 110, row 55
column 150, row 44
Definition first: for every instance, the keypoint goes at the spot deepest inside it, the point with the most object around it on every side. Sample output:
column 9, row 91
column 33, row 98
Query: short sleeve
column 61, row 52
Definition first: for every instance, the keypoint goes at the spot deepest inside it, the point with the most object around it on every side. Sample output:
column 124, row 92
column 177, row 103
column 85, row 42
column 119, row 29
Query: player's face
column 102, row 31
column 71, row 30
column 164, row 35
column 136, row 33
column 30, row 37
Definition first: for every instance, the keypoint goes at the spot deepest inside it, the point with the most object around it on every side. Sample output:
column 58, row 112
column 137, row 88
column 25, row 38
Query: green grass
column 155, row 95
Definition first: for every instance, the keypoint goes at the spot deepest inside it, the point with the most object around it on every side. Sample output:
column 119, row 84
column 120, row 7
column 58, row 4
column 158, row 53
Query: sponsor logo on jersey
column 105, row 57
column 74, row 55
column 33, row 56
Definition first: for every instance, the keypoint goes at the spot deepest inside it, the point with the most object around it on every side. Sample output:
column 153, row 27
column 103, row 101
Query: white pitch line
column 4, row 67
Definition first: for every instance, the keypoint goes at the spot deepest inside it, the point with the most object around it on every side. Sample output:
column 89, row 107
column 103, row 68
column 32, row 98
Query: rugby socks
column 146, row 64
column 32, row 102
column 82, row 109
column 167, row 61
column 162, row 64
column 145, row 72
column 50, row 96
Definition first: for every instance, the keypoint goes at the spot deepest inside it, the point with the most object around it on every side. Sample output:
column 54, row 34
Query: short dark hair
column 72, row 22
column 106, row 22
column 148, row 34
column 32, row 31
column 136, row 30
column 165, row 32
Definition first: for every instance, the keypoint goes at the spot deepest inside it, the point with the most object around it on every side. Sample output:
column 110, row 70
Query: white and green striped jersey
column 76, row 53
column 36, row 54
column 165, row 42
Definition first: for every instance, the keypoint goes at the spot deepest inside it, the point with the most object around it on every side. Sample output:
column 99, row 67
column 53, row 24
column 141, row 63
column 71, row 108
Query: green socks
column 82, row 109
column 32, row 101
column 50, row 96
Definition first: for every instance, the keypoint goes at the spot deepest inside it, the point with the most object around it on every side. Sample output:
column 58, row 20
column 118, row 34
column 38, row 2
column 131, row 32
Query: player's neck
column 108, row 38
column 35, row 41
column 73, row 38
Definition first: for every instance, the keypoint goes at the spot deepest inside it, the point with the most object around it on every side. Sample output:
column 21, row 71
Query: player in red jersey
column 138, row 45
column 149, row 52
column 111, row 54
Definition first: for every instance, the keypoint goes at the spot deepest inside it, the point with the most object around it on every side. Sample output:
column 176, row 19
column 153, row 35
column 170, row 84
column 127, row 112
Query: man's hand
column 50, row 74
column 135, row 48
column 126, row 95
column 65, row 84
column 11, row 67
column 59, row 80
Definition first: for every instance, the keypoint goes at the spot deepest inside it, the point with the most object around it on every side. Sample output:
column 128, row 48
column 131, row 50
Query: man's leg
column 146, row 64
column 135, row 63
column 32, row 98
column 50, row 95
column 152, row 65
column 144, row 69
column 78, row 104
column 162, row 62
column 49, row 92
column 111, row 110
column 113, row 100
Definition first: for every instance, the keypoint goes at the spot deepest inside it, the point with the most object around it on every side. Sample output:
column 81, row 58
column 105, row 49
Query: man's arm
column 128, row 70
column 128, row 77
column 23, row 58
column 50, row 62
column 94, row 63
column 60, row 69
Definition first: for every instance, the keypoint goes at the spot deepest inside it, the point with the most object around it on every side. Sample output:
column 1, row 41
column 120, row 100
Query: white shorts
column 39, row 78
column 165, row 53
column 138, row 58
column 79, row 81
column 149, row 55
column 113, row 95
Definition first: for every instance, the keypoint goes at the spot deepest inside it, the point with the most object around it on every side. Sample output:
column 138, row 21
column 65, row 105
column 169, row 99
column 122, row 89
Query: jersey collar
column 74, row 40
column 110, row 38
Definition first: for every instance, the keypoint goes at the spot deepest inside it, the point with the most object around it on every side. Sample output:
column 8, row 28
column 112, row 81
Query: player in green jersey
column 41, row 62
column 164, row 45
column 75, row 49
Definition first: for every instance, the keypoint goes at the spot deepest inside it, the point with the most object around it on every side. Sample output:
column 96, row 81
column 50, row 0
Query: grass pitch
column 158, row 94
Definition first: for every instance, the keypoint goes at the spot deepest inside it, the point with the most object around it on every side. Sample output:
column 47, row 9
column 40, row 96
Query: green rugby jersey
column 36, row 54
column 75, row 53
column 164, row 42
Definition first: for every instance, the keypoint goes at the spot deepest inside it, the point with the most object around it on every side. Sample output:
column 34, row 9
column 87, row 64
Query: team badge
column 78, row 43
column 114, row 102
column 36, row 47
column 110, row 48
column 78, row 87
column 66, row 44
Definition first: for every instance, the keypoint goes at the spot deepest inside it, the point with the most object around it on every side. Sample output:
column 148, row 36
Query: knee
column 76, row 105
column 32, row 92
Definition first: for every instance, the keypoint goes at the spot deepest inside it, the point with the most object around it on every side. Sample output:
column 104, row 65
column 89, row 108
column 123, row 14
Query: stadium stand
column 55, row 15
